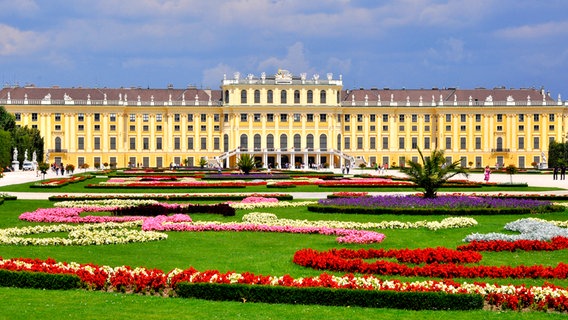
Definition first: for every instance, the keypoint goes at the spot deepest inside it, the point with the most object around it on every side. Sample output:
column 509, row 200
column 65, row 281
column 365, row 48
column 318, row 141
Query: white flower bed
column 280, row 204
column 262, row 218
column 529, row 228
column 107, row 203
column 80, row 235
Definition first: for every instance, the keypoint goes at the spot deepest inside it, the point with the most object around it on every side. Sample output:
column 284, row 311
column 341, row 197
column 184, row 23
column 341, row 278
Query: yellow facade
column 286, row 120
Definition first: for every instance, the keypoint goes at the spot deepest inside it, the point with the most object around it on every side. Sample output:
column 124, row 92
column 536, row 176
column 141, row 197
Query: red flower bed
column 351, row 261
column 557, row 243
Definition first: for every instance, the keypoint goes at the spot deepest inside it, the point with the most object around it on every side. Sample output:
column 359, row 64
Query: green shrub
column 39, row 280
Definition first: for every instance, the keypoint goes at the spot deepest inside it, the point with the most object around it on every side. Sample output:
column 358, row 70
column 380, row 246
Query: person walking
column 562, row 172
column 555, row 173
column 487, row 174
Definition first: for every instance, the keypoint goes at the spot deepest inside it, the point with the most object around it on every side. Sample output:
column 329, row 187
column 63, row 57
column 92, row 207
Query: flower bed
column 251, row 176
column 455, row 205
column 336, row 260
column 529, row 229
column 142, row 280
column 173, row 197
column 60, row 182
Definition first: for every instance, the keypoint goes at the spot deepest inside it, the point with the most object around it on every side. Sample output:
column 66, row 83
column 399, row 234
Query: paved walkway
column 538, row 180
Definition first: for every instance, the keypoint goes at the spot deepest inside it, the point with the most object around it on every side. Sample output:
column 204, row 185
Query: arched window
column 256, row 96
column 297, row 142
column 323, row 97
column 310, row 96
column 339, row 142
column 323, row 142
column 283, row 96
column 270, row 141
column 243, row 96
column 257, row 142
column 499, row 144
column 244, row 142
column 270, row 96
column 57, row 144
column 296, row 96
column 310, row 141
column 225, row 142
column 283, row 142
column 226, row 96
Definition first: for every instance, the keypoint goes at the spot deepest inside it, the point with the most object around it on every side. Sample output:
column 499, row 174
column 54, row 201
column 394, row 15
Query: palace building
column 286, row 121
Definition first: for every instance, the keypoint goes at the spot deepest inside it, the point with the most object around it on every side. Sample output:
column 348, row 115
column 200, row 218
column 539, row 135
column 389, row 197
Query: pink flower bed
column 72, row 215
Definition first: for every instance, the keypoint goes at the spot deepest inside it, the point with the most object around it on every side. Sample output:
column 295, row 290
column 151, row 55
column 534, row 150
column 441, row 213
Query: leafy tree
column 7, row 120
column 43, row 167
column 5, row 149
column 26, row 138
column 433, row 172
column 511, row 170
column 246, row 163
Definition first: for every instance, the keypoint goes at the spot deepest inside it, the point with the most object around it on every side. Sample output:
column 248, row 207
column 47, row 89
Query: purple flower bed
column 452, row 202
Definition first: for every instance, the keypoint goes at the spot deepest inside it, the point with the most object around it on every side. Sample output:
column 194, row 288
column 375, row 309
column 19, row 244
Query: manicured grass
column 80, row 187
column 260, row 253
column 33, row 304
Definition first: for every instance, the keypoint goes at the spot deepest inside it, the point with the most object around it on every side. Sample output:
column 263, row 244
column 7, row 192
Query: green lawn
column 262, row 253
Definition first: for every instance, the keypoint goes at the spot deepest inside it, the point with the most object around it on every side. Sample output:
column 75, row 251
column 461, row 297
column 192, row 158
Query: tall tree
column 433, row 172
column 5, row 149
column 29, row 139
column 7, row 120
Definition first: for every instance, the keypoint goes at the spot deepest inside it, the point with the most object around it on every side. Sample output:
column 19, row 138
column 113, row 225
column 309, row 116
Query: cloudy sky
column 371, row 43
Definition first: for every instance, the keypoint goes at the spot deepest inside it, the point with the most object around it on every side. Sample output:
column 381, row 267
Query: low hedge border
column 172, row 197
column 39, row 280
column 330, row 297
column 430, row 211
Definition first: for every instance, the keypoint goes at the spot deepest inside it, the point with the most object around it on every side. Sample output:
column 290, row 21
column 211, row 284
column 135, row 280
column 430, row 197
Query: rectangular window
column 58, row 117
column 385, row 118
column 190, row 143
column 372, row 118
column 372, row 128
column 477, row 143
column 427, row 118
column 499, row 128
column 159, row 128
column 97, row 127
column 462, row 128
column 310, row 117
column 203, row 117
column 158, row 143
column 283, row 117
column 359, row 128
column 80, row 127
column 256, row 117
column 177, row 127
column 426, row 142
column 190, row 117
column 177, row 143
column 401, row 117
column 414, row 143
column 270, row 117
column 448, row 128
column 57, row 127
column 190, row 127
column 551, row 127
column 216, row 118
column 216, row 143
column 414, row 118
column 463, row 144
column 463, row 117
column 359, row 118
column 427, row 128
column 244, row 116
column 536, row 143
column 203, row 128
column 146, row 128
column 448, row 118
column 81, row 143
column 536, row 127
column 359, row 143
column 477, row 128
column 323, row 117
column 18, row 116
column 146, row 143
column 177, row 117
column 499, row 118
column 226, row 117
column 477, row 118
column 372, row 143
column 521, row 117
column 347, row 143
column 401, row 142
column 536, row 117
column 521, row 144
column 448, row 143
column 80, row 116
column 347, row 117
column 347, row 128
column 132, row 117
column 385, row 128
column 112, row 127
column 203, row 143
column 297, row 117
column 97, row 143
column 216, row 128
column 132, row 128
column 159, row 117
column 385, row 143
column 112, row 143
column 400, row 128
column 145, row 117
column 112, row 117
column 132, row 143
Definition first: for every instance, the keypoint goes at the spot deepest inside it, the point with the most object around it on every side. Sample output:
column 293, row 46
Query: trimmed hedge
column 39, row 280
column 429, row 211
column 330, row 297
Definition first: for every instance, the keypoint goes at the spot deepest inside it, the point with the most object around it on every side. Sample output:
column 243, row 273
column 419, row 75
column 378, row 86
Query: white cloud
column 18, row 42
column 295, row 61
column 535, row 31
column 23, row 8
column 212, row 76
column 449, row 50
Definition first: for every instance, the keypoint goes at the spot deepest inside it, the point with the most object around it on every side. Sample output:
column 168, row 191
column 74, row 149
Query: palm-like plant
column 433, row 172
column 246, row 163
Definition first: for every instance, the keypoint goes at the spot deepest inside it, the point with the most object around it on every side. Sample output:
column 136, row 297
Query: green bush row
column 39, row 280
column 331, row 297
column 430, row 211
